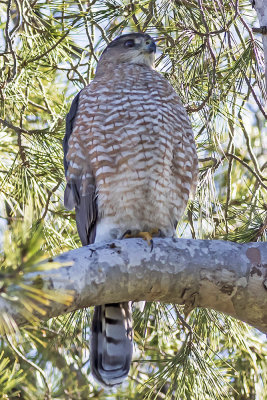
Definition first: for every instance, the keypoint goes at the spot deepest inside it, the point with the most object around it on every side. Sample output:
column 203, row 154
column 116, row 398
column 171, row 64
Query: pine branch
column 261, row 9
column 21, row 130
column 220, row 275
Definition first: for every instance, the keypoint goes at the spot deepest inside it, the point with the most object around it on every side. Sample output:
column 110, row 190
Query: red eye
column 129, row 43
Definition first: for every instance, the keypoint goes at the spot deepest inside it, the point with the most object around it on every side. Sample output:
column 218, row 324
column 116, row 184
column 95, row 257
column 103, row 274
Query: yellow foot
column 147, row 236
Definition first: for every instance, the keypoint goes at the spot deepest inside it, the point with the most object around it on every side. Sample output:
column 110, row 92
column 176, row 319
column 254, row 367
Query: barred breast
column 133, row 134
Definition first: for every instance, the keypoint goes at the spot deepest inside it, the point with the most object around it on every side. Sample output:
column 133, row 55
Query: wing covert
column 80, row 190
column 70, row 119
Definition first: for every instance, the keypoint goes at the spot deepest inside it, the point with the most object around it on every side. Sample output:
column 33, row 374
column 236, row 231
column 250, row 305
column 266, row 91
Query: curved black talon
column 128, row 232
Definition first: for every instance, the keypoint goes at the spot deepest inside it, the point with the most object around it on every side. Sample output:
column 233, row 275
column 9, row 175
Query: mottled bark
column 261, row 9
column 224, row 276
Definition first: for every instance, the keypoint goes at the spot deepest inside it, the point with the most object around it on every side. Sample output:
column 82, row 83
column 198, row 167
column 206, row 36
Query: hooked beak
column 150, row 47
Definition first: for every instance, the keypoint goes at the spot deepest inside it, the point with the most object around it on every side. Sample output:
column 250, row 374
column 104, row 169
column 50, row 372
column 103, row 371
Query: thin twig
column 248, row 167
column 230, row 149
column 22, row 130
column 20, row 355
column 245, row 76
column 38, row 106
column 49, row 197
column 17, row 25
column 103, row 33
column 22, row 151
column 248, row 143
column 228, row 194
column 190, row 219
column 135, row 20
column 44, row 96
column 184, row 323
column 191, row 109
column 52, row 47
column 9, row 45
column 262, row 228
column 87, row 29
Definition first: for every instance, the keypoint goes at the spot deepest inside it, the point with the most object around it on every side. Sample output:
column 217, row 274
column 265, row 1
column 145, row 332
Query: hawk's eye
column 129, row 43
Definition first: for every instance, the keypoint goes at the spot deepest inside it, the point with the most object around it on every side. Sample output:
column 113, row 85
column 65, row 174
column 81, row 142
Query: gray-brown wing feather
column 80, row 191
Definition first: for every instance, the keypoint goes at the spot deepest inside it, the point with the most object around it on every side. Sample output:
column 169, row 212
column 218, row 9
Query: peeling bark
column 224, row 276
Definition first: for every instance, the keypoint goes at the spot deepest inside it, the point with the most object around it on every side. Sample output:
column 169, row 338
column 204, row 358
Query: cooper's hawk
column 130, row 162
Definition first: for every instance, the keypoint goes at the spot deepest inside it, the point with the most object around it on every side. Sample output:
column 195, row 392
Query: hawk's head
column 132, row 48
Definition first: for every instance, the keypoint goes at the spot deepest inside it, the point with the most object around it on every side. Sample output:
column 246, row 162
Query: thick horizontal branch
column 224, row 276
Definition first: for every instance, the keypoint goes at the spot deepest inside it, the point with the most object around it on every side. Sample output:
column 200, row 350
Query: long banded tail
column 111, row 344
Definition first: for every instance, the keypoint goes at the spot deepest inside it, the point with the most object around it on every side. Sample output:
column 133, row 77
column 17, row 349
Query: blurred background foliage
column 49, row 51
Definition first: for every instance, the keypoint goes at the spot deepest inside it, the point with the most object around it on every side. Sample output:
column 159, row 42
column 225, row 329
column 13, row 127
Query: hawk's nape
column 130, row 163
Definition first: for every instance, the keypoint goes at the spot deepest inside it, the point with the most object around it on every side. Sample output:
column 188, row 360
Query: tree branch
column 21, row 130
column 224, row 276
column 261, row 9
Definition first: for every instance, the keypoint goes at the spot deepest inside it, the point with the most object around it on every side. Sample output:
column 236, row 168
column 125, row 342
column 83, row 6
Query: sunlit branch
column 220, row 275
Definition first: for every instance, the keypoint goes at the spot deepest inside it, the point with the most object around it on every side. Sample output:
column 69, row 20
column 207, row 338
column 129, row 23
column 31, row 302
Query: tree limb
column 224, row 276
column 261, row 9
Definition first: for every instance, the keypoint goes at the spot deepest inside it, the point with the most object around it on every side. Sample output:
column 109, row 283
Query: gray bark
column 224, row 276
column 261, row 9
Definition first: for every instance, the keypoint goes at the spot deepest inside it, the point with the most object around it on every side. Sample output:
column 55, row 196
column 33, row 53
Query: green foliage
column 49, row 51
column 10, row 378
column 23, row 241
